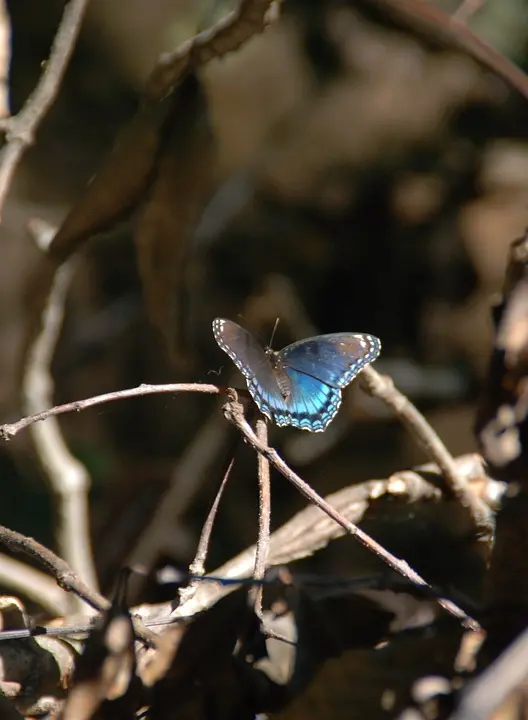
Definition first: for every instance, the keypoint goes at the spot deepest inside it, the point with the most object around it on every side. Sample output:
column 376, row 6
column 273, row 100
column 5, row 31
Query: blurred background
column 366, row 179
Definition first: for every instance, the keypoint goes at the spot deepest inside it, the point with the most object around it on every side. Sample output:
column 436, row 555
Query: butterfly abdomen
column 283, row 381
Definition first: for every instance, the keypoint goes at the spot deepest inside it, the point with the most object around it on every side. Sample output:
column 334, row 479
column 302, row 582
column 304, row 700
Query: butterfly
column 301, row 384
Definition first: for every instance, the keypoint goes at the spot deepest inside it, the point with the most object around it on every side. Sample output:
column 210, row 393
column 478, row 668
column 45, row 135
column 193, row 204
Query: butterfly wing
column 318, row 368
column 254, row 364
column 315, row 371
column 333, row 359
column 312, row 403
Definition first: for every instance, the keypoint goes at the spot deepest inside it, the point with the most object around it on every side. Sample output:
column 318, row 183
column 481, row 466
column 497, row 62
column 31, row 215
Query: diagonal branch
column 58, row 568
column 382, row 387
column 234, row 414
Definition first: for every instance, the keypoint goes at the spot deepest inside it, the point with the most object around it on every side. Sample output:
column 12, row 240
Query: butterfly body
column 301, row 384
column 283, row 381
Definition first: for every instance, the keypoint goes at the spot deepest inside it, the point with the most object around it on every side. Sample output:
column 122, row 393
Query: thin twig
column 21, row 128
column 264, row 518
column 382, row 387
column 66, row 578
column 320, row 583
column 197, row 567
column 192, row 471
column 233, row 412
column 9, row 430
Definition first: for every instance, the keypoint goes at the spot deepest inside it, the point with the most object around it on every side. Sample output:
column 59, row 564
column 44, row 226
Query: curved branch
column 9, row 430
column 21, row 129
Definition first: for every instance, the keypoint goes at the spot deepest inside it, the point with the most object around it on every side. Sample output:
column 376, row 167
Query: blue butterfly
column 301, row 384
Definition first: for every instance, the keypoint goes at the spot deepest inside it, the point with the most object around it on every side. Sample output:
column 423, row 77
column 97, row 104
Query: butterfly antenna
column 270, row 345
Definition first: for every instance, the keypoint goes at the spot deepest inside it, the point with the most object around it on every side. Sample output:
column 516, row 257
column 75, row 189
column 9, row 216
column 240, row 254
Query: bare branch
column 184, row 483
column 197, row 567
column 234, row 413
column 382, row 387
column 264, row 517
column 68, row 478
column 21, row 128
column 311, row 530
column 262, row 551
column 9, row 430
column 58, row 568
column 66, row 578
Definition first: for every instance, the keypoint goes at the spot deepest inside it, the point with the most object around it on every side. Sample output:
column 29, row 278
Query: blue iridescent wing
column 312, row 403
column 253, row 362
column 300, row 385
column 333, row 359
